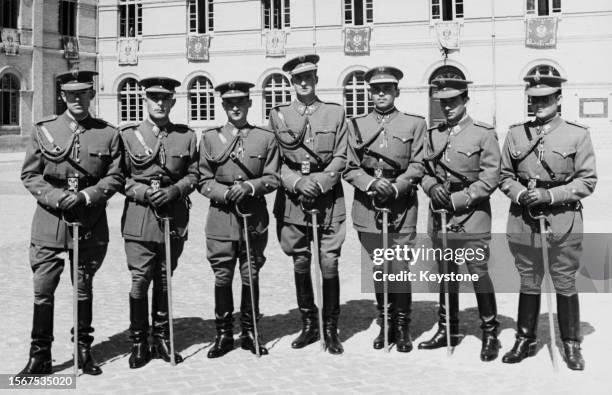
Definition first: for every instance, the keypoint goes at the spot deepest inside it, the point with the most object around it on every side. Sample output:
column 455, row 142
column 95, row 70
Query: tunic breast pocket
column 176, row 159
column 401, row 146
column 256, row 163
column 561, row 159
column 98, row 159
column 325, row 141
column 467, row 157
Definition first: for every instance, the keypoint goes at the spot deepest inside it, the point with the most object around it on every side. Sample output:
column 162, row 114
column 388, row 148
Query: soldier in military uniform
column 161, row 171
column 385, row 167
column 72, row 168
column 312, row 137
column 462, row 160
column 239, row 165
column 548, row 166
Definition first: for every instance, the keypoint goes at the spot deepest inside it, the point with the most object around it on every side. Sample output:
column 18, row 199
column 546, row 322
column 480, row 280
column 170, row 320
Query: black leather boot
column 139, row 328
column 379, row 341
column 402, row 303
column 308, row 309
column 86, row 362
column 487, row 309
column 247, row 336
column 525, row 344
column 160, row 347
column 331, row 312
column 42, row 337
column 224, row 322
column 439, row 338
column 568, row 316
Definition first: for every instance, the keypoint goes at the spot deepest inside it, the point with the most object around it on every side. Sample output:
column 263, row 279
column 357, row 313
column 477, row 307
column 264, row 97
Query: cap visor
column 447, row 94
column 76, row 86
column 541, row 91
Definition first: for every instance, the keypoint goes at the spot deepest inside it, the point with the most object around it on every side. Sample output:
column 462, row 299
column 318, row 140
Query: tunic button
column 39, row 192
column 240, row 177
column 331, row 173
column 307, row 156
column 537, row 176
column 99, row 155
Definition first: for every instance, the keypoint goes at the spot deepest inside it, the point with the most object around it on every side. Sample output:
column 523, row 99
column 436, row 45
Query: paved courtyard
column 360, row 370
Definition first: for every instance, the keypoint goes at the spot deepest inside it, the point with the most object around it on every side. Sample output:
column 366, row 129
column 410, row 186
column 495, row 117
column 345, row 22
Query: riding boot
column 487, row 310
column 525, row 344
column 86, row 362
column 402, row 303
column 568, row 316
column 139, row 328
column 439, row 338
column 308, row 309
column 42, row 337
column 247, row 336
column 224, row 322
column 160, row 347
column 331, row 312
column 379, row 341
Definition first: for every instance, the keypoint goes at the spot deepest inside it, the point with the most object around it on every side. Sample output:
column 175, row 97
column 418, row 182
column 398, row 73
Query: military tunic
column 559, row 155
column 228, row 155
column 386, row 146
column 312, row 139
column 168, row 156
column 62, row 148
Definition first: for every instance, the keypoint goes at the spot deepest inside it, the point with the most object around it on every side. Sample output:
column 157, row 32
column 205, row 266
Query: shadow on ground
column 356, row 316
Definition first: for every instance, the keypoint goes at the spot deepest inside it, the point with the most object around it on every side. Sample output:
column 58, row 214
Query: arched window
column 543, row 70
column 201, row 100
column 9, row 100
column 276, row 90
column 130, row 101
column 435, row 112
column 356, row 100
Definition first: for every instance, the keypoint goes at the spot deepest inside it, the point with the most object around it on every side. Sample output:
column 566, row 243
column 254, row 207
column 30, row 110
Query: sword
column 385, row 245
column 247, row 240
column 73, row 186
column 317, row 268
column 541, row 217
column 155, row 185
column 443, row 213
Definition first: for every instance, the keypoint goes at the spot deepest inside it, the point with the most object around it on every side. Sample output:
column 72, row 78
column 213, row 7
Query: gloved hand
column 163, row 196
column 70, row 200
column 383, row 188
column 440, row 197
column 308, row 187
column 238, row 192
column 536, row 197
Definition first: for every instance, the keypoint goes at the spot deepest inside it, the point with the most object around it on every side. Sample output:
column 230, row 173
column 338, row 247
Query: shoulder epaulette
column 331, row 102
column 105, row 122
column 263, row 129
column 483, row 125
column 48, row 118
column 276, row 107
column 211, row 129
column 438, row 126
column 577, row 124
column 181, row 127
column 413, row 115
column 129, row 125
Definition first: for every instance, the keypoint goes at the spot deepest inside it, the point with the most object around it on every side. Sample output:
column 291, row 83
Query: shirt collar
column 550, row 125
column 306, row 109
column 463, row 122
column 156, row 129
column 73, row 122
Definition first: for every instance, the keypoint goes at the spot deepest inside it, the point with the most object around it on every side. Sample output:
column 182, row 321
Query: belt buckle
column 155, row 184
column 305, row 168
column 73, row 184
column 533, row 182
column 378, row 172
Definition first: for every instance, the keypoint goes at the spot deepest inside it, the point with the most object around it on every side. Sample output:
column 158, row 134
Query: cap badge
column 537, row 76
column 232, row 85
column 302, row 58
